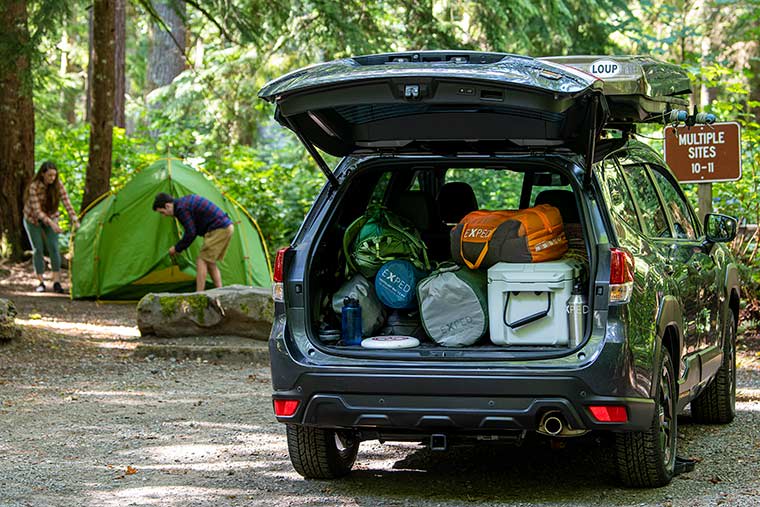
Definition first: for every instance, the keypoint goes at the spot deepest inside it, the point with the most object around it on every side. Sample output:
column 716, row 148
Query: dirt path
column 84, row 423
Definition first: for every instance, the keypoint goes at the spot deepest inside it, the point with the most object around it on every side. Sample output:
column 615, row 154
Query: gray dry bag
column 454, row 305
column 362, row 290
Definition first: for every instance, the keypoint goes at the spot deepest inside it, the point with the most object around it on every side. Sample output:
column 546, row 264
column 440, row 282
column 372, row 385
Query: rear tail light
column 278, row 288
column 285, row 408
column 609, row 413
column 621, row 275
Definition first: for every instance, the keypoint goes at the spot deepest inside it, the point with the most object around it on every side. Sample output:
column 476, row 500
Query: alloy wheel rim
column 666, row 416
column 731, row 364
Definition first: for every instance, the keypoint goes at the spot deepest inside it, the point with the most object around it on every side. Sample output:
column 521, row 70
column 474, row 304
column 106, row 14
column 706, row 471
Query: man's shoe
column 40, row 288
column 57, row 288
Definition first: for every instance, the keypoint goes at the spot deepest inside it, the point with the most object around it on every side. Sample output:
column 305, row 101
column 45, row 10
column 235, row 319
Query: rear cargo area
column 458, row 257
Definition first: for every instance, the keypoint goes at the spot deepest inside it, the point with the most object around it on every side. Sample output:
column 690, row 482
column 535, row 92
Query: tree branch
column 148, row 6
column 211, row 18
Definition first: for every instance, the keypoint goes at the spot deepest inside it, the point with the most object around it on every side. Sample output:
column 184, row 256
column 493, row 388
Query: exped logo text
column 396, row 281
column 456, row 325
column 478, row 233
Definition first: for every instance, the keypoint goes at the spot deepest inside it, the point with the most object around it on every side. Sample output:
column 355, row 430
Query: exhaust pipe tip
column 553, row 425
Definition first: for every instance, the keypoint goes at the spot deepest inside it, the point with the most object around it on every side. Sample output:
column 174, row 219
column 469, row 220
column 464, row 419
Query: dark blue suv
column 434, row 135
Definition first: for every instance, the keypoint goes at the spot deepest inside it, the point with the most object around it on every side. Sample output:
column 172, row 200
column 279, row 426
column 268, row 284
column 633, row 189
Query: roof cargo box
column 637, row 88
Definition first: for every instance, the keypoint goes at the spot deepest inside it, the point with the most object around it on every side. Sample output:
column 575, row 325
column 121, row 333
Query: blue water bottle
column 351, row 322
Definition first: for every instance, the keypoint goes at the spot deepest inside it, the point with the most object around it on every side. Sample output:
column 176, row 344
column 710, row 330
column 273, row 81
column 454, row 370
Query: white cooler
column 527, row 303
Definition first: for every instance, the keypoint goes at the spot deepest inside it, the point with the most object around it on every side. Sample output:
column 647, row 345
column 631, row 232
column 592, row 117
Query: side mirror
column 719, row 228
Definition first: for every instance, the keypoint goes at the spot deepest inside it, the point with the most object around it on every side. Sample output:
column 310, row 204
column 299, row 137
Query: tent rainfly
column 121, row 249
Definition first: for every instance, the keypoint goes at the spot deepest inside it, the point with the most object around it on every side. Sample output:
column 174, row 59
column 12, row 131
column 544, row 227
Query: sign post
column 704, row 154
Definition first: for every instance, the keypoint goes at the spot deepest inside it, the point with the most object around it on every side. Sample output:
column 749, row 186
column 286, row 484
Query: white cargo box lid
column 539, row 272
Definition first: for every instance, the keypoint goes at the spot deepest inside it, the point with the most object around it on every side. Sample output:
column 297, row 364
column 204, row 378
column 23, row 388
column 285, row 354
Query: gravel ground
column 84, row 423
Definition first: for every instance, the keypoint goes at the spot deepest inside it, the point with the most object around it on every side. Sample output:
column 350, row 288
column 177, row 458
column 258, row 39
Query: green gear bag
column 380, row 236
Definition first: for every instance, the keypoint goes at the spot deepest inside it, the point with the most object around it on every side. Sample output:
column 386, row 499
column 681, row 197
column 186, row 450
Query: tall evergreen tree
column 97, row 180
column 17, row 121
column 120, row 51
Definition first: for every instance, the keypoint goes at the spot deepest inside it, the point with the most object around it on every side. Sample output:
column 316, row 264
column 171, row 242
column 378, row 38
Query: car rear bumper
column 414, row 403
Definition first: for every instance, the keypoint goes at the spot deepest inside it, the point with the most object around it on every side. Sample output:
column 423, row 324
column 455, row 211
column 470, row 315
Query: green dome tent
column 120, row 251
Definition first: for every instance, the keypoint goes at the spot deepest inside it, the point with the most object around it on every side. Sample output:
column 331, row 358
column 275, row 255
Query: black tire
column 646, row 459
column 318, row 453
column 717, row 403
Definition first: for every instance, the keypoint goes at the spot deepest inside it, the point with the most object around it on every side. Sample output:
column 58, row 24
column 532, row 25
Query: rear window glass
column 618, row 199
column 494, row 188
column 685, row 227
column 652, row 216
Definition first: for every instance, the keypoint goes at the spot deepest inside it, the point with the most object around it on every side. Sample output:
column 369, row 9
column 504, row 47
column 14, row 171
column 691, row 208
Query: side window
column 416, row 183
column 676, row 207
column 653, row 219
column 618, row 199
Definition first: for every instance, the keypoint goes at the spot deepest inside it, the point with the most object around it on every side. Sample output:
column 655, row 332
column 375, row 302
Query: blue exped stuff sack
column 396, row 284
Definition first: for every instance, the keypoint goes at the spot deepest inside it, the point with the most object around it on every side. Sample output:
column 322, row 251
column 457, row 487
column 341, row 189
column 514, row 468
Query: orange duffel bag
column 483, row 238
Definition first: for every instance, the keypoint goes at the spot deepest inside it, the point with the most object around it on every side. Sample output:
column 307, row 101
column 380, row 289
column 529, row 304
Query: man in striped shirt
column 199, row 217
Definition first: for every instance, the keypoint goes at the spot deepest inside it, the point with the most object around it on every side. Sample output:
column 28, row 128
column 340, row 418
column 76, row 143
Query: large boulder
column 236, row 310
column 8, row 329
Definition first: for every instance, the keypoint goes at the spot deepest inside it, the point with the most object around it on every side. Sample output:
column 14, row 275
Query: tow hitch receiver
column 438, row 442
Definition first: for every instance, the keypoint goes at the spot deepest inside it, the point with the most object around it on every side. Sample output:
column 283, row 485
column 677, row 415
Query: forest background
column 104, row 88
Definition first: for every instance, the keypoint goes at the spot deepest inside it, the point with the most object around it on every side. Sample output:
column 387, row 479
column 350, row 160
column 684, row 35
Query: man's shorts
column 215, row 244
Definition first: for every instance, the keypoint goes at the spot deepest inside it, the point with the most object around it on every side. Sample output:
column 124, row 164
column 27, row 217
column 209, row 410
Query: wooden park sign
column 704, row 153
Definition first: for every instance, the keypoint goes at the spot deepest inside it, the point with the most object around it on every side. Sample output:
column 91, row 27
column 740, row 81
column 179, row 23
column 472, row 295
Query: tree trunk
column 166, row 60
column 120, row 90
column 754, row 81
column 17, row 121
column 98, row 176
column 90, row 60
column 68, row 93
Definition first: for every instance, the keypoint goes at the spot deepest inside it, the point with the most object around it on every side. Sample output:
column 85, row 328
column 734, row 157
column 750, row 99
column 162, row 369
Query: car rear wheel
column 318, row 453
column 717, row 403
column 646, row 459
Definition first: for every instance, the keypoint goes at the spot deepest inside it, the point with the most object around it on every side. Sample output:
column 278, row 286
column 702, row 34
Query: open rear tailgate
column 437, row 102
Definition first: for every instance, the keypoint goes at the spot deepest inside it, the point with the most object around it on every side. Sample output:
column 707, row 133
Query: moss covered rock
column 235, row 310
column 8, row 329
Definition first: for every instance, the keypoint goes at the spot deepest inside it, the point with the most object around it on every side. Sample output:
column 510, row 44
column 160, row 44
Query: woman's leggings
column 41, row 236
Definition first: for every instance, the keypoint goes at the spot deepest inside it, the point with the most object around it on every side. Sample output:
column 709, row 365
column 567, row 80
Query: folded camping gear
column 527, row 302
column 483, row 238
column 395, row 284
column 454, row 305
column 380, row 236
column 328, row 334
column 363, row 291
column 403, row 323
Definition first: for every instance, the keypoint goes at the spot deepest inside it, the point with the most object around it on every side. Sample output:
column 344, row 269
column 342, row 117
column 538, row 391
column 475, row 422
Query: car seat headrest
column 418, row 207
column 455, row 200
column 564, row 200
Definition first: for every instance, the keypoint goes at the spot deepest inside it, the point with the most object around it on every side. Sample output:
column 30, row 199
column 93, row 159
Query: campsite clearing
column 85, row 422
